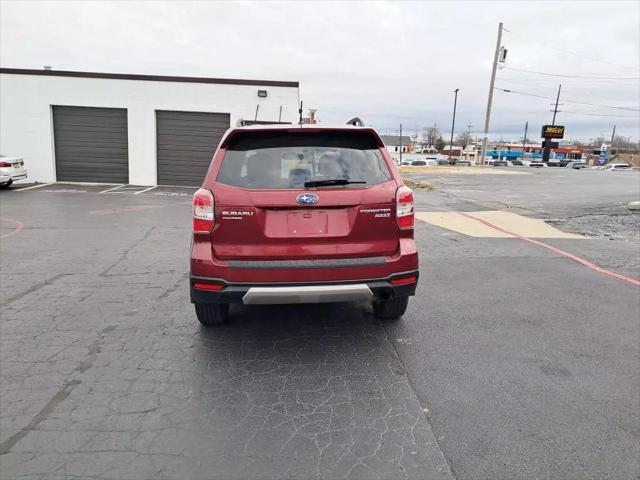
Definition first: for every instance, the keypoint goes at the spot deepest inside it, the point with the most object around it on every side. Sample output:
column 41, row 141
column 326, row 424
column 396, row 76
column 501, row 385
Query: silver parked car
column 617, row 166
column 11, row 169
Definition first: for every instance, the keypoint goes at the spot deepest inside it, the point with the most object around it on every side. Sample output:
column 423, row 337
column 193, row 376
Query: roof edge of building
column 152, row 78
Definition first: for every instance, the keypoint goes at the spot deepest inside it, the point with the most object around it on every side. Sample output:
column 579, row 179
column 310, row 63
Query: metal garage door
column 186, row 143
column 91, row 144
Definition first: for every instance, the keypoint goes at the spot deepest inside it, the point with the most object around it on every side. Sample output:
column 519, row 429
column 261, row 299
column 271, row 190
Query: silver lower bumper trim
column 307, row 294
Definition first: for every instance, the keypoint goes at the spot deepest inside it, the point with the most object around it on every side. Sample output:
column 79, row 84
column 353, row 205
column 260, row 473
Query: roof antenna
column 300, row 112
column 255, row 119
column 356, row 122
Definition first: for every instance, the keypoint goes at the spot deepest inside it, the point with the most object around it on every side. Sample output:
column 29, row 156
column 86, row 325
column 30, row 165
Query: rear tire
column 391, row 309
column 7, row 184
column 211, row 314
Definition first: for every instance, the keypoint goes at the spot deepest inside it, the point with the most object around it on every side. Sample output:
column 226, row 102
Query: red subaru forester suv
column 302, row 214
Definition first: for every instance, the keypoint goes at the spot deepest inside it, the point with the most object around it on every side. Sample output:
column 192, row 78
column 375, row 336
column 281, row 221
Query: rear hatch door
column 267, row 207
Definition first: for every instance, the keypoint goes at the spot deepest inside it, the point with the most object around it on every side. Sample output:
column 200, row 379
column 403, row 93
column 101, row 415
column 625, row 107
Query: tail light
column 404, row 208
column 4, row 164
column 404, row 280
column 202, row 211
column 208, row 286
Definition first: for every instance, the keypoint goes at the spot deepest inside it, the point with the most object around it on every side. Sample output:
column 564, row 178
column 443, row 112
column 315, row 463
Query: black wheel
column 391, row 309
column 7, row 184
column 210, row 314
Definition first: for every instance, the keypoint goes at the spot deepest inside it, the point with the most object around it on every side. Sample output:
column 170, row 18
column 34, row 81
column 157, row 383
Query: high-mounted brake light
column 404, row 208
column 203, row 211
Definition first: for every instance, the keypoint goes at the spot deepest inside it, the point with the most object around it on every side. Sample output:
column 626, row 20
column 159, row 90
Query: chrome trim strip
column 307, row 294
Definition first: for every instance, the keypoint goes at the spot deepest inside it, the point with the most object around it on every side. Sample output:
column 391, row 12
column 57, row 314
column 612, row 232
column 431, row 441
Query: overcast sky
column 387, row 62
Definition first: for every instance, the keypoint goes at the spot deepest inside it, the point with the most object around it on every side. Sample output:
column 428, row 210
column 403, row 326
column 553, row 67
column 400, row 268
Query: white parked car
column 617, row 166
column 11, row 169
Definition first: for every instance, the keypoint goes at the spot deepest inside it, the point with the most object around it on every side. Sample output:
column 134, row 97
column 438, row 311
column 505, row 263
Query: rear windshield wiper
column 330, row 182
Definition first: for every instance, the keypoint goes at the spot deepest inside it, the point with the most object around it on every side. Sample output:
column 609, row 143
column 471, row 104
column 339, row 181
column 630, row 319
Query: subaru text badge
column 307, row 199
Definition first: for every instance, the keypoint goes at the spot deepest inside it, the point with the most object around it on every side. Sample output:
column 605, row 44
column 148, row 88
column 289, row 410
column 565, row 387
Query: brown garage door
column 186, row 143
column 91, row 144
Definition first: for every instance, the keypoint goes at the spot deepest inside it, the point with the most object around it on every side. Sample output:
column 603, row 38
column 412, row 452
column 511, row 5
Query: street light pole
column 524, row 140
column 400, row 144
column 453, row 122
column 496, row 56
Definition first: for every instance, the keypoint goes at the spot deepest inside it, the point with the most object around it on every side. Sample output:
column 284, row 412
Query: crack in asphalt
column 35, row 288
column 175, row 286
column 125, row 254
column 64, row 391
column 405, row 371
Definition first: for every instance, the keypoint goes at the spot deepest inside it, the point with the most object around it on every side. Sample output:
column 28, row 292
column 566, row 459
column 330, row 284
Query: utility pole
column 491, row 86
column 546, row 152
column 613, row 136
column 435, row 135
column 453, row 122
column 468, row 134
column 400, row 144
column 555, row 109
column 524, row 139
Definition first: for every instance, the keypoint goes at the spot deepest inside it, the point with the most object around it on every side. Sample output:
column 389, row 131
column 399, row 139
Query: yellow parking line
column 507, row 221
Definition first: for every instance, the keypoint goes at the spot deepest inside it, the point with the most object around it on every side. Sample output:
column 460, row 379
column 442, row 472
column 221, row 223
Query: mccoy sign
column 552, row 131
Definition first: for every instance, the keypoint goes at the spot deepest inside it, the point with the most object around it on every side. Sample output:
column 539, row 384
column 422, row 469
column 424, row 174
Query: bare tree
column 431, row 136
column 596, row 142
column 463, row 139
column 625, row 143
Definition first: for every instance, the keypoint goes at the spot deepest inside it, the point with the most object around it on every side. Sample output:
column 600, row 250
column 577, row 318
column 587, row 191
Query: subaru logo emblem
column 307, row 199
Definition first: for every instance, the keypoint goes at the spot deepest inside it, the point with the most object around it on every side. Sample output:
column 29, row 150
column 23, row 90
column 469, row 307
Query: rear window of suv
column 280, row 160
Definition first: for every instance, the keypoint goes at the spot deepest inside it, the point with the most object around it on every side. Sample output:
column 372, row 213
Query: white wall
column 26, row 128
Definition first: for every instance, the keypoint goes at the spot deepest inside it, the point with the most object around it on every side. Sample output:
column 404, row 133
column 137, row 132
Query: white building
column 395, row 143
column 122, row 128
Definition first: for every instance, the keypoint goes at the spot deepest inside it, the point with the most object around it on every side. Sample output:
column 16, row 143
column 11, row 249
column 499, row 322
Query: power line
column 565, row 100
column 593, row 59
column 596, row 114
column 581, row 55
column 570, row 76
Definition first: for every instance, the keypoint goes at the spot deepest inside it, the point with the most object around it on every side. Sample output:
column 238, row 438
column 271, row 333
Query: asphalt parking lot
column 513, row 360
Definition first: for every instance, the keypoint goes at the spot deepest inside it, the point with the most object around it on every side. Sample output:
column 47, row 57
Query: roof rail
column 245, row 123
column 356, row 122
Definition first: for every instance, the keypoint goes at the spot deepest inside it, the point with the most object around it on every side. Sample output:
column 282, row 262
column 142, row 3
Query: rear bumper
column 311, row 271
column 11, row 174
column 290, row 293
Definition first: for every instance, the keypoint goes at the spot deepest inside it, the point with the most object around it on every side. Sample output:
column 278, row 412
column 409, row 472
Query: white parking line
column 111, row 189
column 145, row 190
column 34, row 186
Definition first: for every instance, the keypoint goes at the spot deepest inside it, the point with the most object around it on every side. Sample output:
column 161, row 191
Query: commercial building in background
column 394, row 143
column 455, row 151
column 124, row 128
column 510, row 151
